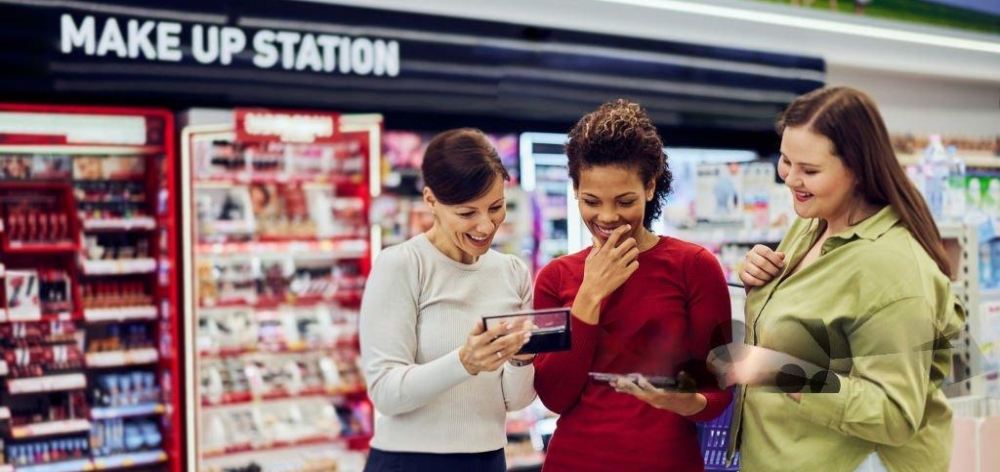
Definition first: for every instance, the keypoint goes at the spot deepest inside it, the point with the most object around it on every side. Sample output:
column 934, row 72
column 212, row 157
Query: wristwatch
column 520, row 363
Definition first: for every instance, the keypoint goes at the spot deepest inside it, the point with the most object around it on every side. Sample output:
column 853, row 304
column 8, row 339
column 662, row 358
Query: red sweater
column 666, row 317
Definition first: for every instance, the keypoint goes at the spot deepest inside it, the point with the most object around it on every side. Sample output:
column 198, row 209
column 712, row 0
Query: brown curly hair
column 620, row 133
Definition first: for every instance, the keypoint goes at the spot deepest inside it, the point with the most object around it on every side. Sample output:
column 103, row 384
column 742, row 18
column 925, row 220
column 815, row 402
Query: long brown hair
column 850, row 119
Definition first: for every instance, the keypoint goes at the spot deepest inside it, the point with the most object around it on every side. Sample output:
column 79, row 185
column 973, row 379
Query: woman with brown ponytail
column 860, row 286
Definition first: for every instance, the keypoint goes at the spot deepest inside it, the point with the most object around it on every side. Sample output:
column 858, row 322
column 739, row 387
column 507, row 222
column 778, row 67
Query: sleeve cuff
column 452, row 368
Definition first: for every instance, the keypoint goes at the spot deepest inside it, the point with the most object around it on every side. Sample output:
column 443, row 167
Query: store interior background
column 927, row 80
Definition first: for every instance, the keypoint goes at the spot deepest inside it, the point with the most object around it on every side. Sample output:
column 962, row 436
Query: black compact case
column 550, row 331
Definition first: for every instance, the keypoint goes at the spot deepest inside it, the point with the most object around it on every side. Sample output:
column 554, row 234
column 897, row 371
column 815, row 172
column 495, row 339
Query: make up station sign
column 214, row 45
column 413, row 67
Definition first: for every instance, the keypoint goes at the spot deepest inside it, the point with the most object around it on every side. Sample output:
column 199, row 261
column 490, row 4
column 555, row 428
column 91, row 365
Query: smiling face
column 611, row 196
column 821, row 185
column 465, row 231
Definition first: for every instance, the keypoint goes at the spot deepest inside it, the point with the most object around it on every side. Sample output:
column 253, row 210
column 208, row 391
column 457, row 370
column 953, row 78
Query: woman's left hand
column 682, row 403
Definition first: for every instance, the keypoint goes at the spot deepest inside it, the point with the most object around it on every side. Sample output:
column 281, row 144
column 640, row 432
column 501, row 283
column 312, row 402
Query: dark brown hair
column 851, row 121
column 460, row 165
column 620, row 133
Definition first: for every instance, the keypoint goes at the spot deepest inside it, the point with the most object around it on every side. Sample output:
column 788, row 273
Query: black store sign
column 303, row 54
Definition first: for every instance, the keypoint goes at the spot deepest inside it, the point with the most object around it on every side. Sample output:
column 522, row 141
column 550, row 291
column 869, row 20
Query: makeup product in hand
column 682, row 382
column 550, row 330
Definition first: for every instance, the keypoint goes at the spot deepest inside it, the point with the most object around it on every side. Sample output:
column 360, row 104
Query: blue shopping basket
column 714, row 438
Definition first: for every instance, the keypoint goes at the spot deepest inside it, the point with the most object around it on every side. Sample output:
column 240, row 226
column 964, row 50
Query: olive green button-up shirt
column 875, row 309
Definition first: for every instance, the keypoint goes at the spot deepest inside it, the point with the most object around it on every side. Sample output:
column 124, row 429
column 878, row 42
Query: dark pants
column 388, row 461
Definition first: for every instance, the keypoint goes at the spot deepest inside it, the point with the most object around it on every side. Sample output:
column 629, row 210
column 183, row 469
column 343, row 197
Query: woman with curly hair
column 641, row 303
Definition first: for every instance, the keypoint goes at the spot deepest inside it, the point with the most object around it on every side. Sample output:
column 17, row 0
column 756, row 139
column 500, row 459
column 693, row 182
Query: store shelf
column 146, row 312
column 122, row 358
column 21, row 247
column 271, row 303
column 245, row 398
column 104, row 413
column 133, row 459
column 48, row 383
column 123, row 150
column 719, row 236
column 979, row 160
column 64, row 466
column 315, row 441
column 951, row 230
column 144, row 265
column 276, row 350
column 337, row 248
column 50, row 428
column 18, row 318
column 244, row 178
column 139, row 223
column 989, row 294
column 3, row 368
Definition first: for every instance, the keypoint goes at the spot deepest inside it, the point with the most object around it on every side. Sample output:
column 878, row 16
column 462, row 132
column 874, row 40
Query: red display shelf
column 358, row 443
column 244, row 398
column 27, row 247
column 118, row 144
column 238, row 449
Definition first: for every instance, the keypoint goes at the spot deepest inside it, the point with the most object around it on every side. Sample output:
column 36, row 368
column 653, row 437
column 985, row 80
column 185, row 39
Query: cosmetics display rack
column 277, row 209
column 88, row 320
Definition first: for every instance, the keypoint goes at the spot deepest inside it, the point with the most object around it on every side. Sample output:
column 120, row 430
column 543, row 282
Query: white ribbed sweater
column 418, row 308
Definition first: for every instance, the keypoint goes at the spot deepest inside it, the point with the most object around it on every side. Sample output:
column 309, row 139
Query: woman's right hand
column 761, row 265
column 487, row 350
column 607, row 267
column 610, row 264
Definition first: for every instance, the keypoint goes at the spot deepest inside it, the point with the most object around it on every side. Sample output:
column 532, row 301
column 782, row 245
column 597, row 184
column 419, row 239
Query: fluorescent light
column 817, row 24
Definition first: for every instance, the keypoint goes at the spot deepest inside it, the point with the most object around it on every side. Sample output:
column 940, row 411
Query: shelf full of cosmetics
column 278, row 218
column 88, row 319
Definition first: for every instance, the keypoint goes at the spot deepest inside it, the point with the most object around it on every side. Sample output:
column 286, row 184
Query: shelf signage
column 171, row 41
column 291, row 127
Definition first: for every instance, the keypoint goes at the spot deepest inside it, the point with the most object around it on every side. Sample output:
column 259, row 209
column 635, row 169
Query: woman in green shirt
column 860, row 286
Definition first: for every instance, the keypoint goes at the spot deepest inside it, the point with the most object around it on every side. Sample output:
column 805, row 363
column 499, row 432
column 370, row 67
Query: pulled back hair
column 620, row 133
column 850, row 119
column 461, row 165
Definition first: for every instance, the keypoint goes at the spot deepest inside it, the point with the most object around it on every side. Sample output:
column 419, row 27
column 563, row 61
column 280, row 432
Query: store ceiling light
column 817, row 24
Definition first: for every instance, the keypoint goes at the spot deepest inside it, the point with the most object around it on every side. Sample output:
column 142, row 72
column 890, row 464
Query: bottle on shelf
column 936, row 170
column 956, row 185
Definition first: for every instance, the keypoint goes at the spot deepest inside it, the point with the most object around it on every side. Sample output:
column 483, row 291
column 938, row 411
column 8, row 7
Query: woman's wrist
column 698, row 403
column 586, row 307
column 521, row 361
